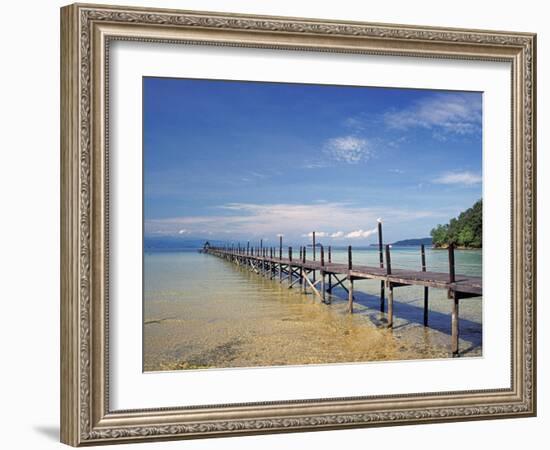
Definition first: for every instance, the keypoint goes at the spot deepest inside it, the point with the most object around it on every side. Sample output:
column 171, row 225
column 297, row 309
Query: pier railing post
column 452, row 278
column 323, row 276
column 289, row 267
column 350, row 287
column 314, row 253
column 381, row 259
column 280, row 247
column 350, row 295
column 329, row 254
column 389, row 286
column 304, row 273
column 388, row 260
column 423, row 258
column 280, row 265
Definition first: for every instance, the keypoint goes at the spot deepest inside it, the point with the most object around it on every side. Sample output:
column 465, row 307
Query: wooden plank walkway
column 313, row 274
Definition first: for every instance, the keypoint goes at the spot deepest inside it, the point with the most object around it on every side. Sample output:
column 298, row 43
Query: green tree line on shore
column 466, row 230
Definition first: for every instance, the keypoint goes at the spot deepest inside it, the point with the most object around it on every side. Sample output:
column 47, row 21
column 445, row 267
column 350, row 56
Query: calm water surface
column 204, row 312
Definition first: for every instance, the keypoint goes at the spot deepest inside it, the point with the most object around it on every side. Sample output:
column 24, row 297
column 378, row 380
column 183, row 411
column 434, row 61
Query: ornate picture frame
column 86, row 34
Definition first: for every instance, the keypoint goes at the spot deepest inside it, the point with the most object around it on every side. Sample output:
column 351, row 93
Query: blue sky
column 247, row 160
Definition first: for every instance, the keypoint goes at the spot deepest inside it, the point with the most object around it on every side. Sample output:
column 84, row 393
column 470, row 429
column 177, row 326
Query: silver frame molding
column 86, row 32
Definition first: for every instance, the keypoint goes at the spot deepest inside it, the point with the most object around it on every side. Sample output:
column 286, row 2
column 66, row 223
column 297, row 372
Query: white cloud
column 293, row 220
column 183, row 231
column 318, row 234
column 456, row 114
column 348, row 149
column 337, row 234
column 320, row 164
column 465, row 178
column 361, row 233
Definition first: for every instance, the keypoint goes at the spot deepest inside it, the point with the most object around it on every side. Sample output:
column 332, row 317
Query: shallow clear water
column 203, row 312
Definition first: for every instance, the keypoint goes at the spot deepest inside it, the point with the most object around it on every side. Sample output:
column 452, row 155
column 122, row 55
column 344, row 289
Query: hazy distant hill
column 419, row 241
column 173, row 242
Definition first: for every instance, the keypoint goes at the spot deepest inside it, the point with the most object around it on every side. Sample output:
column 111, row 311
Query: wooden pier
column 321, row 276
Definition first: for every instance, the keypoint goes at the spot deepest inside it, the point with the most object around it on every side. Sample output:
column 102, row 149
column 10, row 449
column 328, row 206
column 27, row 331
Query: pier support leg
column 382, row 295
column 350, row 296
column 323, row 291
column 329, row 290
column 454, row 324
column 389, row 286
column 289, row 276
column 425, row 306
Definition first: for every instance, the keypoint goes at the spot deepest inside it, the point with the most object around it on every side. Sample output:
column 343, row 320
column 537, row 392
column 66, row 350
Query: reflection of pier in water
column 302, row 272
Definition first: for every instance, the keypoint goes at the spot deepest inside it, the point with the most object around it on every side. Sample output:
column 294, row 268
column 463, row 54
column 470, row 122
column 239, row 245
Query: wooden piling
column 423, row 258
column 454, row 323
column 329, row 254
column 280, row 247
column 389, row 287
column 350, row 295
column 349, row 258
column 323, row 291
column 322, row 256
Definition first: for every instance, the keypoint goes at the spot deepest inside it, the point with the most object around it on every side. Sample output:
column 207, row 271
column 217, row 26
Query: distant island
column 409, row 242
column 415, row 242
column 464, row 231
